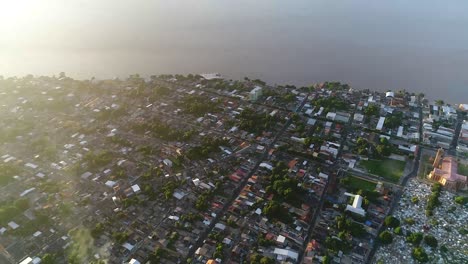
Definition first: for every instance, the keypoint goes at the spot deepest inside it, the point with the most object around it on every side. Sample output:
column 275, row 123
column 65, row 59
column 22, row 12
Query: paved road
column 322, row 198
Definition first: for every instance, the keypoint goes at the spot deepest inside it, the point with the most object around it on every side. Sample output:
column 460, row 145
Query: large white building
column 255, row 93
column 356, row 207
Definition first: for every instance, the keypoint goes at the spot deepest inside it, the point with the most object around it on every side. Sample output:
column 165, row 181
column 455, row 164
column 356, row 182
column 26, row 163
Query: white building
column 255, row 93
column 380, row 123
column 356, row 207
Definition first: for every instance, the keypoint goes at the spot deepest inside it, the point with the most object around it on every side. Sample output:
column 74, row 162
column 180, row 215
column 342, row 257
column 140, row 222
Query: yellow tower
column 438, row 158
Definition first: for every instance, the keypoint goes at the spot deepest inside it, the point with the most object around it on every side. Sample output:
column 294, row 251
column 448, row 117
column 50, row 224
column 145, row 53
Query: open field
column 389, row 169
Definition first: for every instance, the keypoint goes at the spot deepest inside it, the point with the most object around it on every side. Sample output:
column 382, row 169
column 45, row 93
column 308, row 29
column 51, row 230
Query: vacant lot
column 389, row 169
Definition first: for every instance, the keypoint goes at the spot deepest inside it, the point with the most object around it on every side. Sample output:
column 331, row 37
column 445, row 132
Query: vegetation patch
column 462, row 169
column 353, row 184
column 389, row 169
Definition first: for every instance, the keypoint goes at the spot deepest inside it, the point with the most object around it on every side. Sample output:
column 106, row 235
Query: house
column 167, row 162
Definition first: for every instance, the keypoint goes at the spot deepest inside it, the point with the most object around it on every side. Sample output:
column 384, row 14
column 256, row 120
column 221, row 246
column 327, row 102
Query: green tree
column 398, row 231
column 409, row 221
column 386, row 237
column 372, row 110
column 419, row 254
column 430, row 241
column 461, row 200
column 97, row 230
column 415, row 238
column 267, row 260
column 48, row 259
column 391, row 221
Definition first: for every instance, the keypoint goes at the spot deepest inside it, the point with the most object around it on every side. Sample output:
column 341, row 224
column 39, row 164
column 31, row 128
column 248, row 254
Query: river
column 420, row 46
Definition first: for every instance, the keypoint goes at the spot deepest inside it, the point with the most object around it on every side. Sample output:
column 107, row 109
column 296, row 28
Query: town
column 200, row 169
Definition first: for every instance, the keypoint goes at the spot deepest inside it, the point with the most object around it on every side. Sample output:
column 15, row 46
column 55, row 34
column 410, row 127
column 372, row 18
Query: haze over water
column 414, row 45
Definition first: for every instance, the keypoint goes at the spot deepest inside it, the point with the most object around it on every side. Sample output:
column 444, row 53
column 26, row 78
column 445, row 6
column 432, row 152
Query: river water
column 420, row 46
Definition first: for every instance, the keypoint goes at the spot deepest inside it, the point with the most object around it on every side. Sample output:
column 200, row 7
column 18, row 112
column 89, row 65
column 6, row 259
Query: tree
column 372, row 110
column 97, row 230
column 120, row 237
column 461, row 200
column 439, row 102
column 386, row 237
column 415, row 238
column 430, row 241
column 409, row 221
column 48, row 259
column 267, row 260
column 398, row 231
column 419, row 254
column 391, row 221
column 414, row 199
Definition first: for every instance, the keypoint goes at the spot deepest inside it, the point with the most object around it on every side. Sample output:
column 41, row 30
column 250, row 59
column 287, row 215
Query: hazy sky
column 371, row 44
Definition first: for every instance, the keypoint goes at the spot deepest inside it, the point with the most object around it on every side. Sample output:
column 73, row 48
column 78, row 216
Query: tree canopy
column 386, row 237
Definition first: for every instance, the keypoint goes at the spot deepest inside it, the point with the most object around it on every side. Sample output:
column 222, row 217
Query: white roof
column 128, row 246
column 178, row 195
column 13, row 225
column 227, row 241
column 358, row 117
column 380, row 123
column 220, row 226
column 26, row 260
column 286, row 252
column 266, row 166
column 30, row 165
column 86, row 175
column 211, row 76
column 196, row 181
column 311, row 121
column 136, row 188
column 27, row 191
column 464, row 107
column 281, row 239
column 323, row 175
column 331, row 115
column 110, row 183
column 174, row 217
column 400, row 131
column 134, row 261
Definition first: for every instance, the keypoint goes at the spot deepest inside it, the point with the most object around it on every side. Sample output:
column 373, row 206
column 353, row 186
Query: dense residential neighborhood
column 200, row 169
